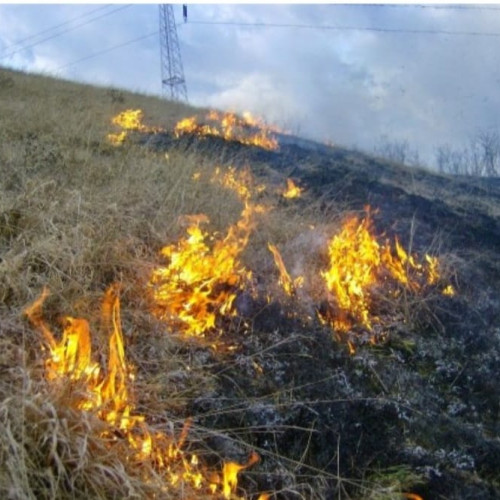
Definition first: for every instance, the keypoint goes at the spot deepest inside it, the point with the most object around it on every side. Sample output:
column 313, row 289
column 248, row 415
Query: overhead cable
column 64, row 31
column 351, row 28
column 114, row 47
column 52, row 28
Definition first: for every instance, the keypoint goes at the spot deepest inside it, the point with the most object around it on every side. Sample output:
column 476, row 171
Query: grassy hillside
column 406, row 407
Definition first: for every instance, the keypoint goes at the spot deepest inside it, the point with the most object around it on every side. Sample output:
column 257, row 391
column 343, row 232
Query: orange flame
column 358, row 263
column 247, row 130
column 201, row 281
column 230, row 473
column 107, row 394
column 400, row 265
column 130, row 119
column 288, row 284
column 292, row 190
column 72, row 357
column 354, row 256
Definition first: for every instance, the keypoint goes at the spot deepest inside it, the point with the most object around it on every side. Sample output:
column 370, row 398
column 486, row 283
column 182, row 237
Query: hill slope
column 410, row 407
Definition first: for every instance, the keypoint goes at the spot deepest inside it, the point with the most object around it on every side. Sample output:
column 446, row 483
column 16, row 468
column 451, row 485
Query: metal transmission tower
column 172, row 73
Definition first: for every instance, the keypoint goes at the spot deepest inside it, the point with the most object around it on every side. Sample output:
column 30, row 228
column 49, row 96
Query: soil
column 425, row 401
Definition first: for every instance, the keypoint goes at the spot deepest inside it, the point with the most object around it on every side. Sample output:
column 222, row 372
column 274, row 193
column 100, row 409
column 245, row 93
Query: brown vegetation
column 78, row 214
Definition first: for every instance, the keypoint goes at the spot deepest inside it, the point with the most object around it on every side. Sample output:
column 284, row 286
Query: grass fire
column 204, row 272
column 106, row 393
column 358, row 264
column 226, row 318
column 245, row 130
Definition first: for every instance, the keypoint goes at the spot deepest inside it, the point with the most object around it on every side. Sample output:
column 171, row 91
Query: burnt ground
column 420, row 410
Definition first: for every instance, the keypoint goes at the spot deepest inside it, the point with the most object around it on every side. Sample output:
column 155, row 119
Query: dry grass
column 77, row 214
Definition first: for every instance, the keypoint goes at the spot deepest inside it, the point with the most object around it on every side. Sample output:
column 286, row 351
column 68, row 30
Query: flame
column 72, row 355
column 117, row 139
column 288, row 284
column 354, row 255
column 449, row 291
column 230, row 473
column 204, row 273
column 106, row 392
column 401, row 264
column 246, row 130
column 130, row 119
column 292, row 190
column 358, row 263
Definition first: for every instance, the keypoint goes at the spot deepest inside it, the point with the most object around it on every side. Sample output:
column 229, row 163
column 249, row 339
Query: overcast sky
column 346, row 86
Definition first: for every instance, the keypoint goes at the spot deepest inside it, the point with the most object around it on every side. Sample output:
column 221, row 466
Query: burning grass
column 79, row 419
column 358, row 264
column 201, row 280
column 292, row 190
column 105, row 393
column 245, row 130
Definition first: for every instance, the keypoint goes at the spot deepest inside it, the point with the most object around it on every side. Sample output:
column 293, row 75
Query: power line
column 437, row 7
column 270, row 25
column 114, row 47
column 52, row 28
column 350, row 28
column 298, row 26
column 64, row 31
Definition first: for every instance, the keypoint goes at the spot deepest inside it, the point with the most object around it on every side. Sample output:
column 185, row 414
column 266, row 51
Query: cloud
column 348, row 86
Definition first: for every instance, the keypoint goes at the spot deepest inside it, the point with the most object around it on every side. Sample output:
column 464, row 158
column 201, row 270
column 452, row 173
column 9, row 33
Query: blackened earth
column 424, row 402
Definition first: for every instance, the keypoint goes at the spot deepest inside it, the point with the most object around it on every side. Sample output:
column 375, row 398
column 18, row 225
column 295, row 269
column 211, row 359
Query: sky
column 345, row 74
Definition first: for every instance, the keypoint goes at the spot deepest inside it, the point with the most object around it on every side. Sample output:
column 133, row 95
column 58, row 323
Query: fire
column 400, row 264
column 354, row 257
column 358, row 263
column 292, row 190
column 106, row 393
column 288, row 284
column 246, row 130
column 130, row 119
column 230, row 473
column 204, row 273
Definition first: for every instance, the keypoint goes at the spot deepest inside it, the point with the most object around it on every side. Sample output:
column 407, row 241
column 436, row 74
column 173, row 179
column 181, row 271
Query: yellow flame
column 130, row 119
column 288, row 284
column 203, row 273
column 246, row 130
column 354, row 256
column 117, row 139
column 106, row 392
column 358, row 263
column 230, row 473
column 292, row 190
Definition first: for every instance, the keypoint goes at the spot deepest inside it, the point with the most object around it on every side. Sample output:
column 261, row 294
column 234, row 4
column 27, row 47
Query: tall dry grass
column 78, row 214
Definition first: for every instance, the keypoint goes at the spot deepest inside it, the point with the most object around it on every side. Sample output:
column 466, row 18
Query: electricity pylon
column 172, row 73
